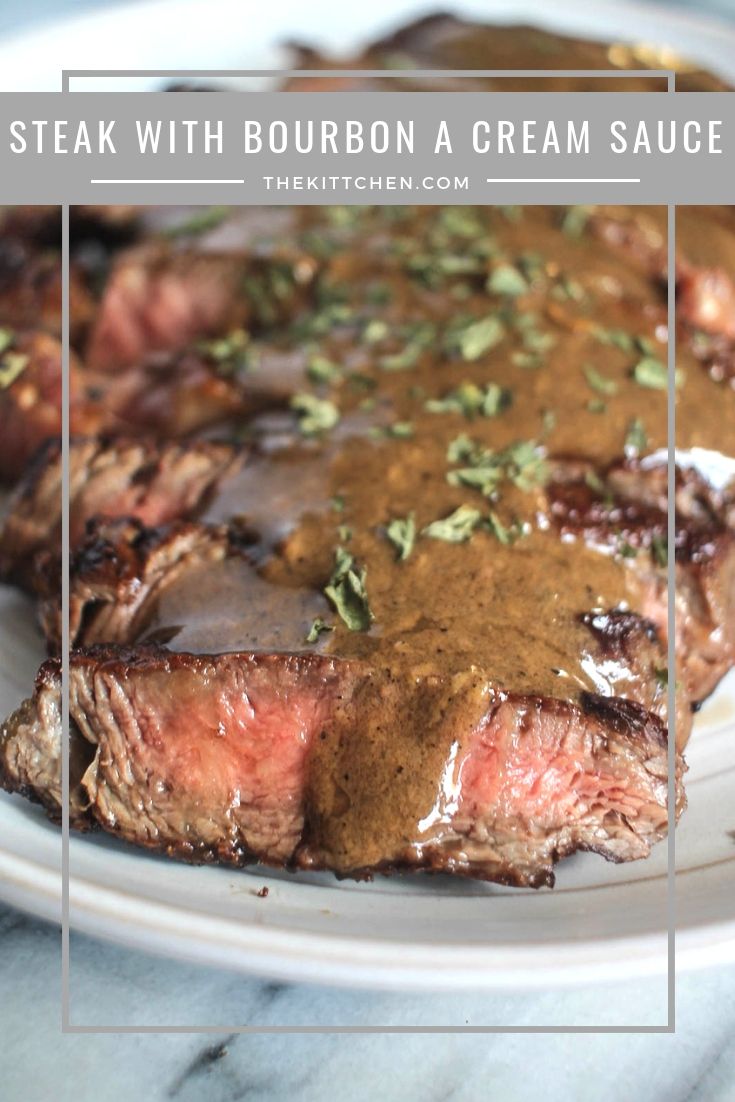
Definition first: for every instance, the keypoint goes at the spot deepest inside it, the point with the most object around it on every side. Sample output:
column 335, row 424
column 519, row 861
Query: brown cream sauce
column 455, row 622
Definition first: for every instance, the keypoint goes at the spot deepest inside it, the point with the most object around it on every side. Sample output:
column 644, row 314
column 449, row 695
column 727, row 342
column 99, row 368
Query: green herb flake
column 375, row 331
column 473, row 339
column 230, row 353
column 568, row 290
column 520, row 463
column 536, row 341
column 662, row 677
column 471, row 399
column 461, row 221
column 615, row 338
column 595, row 483
column 506, row 280
column 322, row 370
column 599, row 383
column 338, row 503
column 505, row 535
column 316, row 629
column 651, row 373
column 530, row 361
column 347, row 593
column 12, row 366
column 402, row 534
column 574, row 221
column 457, row 527
column 597, row 405
column 636, row 440
column 316, row 415
column 660, row 550
column 548, row 421
column 626, row 549
column 408, row 356
column 345, row 533
column 201, row 222
column 7, row 336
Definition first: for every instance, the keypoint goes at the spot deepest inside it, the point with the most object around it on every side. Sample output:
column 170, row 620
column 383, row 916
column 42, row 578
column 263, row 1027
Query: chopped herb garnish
column 574, row 221
column 461, row 449
column 461, row 221
column 536, row 341
column 472, row 339
column 375, row 331
column 597, row 405
column 617, row 338
column 200, row 222
column 322, row 370
column 662, row 677
column 338, row 503
column 548, row 421
column 506, row 280
column 506, row 536
column 7, row 336
column 346, row 591
column 399, row 430
column 651, row 373
column 528, row 360
column 568, row 290
column 315, row 414
column 599, row 383
column 511, row 213
column 521, row 463
column 229, row 353
column 471, row 399
column 593, row 480
column 12, row 366
column 625, row 549
column 344, row 533
column 636, row 440
column 421, row 337
column 660, row 550
column 402, row 534
column 317, row 628
column 457, row 527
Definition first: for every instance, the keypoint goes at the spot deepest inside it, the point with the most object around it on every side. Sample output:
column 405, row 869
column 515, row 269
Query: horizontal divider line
column 563, row 180
column 167, row 181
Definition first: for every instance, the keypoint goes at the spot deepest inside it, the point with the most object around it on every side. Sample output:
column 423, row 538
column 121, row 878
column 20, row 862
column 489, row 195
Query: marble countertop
column 111, row 984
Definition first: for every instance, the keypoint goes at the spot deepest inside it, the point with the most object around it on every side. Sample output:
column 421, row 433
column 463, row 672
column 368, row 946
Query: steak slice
column 30, row 402
column 158, row 299
column 625, row 511
column 241, row 757
column 30, row 751
column 152, row 481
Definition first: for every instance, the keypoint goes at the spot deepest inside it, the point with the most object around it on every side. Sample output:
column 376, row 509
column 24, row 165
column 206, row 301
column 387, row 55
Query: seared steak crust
column 154, row 482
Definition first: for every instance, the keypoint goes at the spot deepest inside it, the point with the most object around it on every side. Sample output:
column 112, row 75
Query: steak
column 159, row 299
column 238, row 757
column 424, row 627
column 155, row 482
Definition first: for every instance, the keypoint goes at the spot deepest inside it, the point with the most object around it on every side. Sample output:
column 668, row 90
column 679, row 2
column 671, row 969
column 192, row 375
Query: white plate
column 602, row 921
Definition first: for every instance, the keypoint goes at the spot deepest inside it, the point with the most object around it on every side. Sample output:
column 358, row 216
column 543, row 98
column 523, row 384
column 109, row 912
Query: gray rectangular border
column 66, row 1024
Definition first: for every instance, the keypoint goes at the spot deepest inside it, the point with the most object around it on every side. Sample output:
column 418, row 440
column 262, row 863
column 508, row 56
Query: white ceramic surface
column 602, row 921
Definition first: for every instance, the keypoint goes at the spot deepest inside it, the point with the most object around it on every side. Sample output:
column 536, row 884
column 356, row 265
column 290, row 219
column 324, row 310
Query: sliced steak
column 154, row 482
column 625, row 512
column 30, row 751
column 30, row 400
column 159, row 299
column 243, row 757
